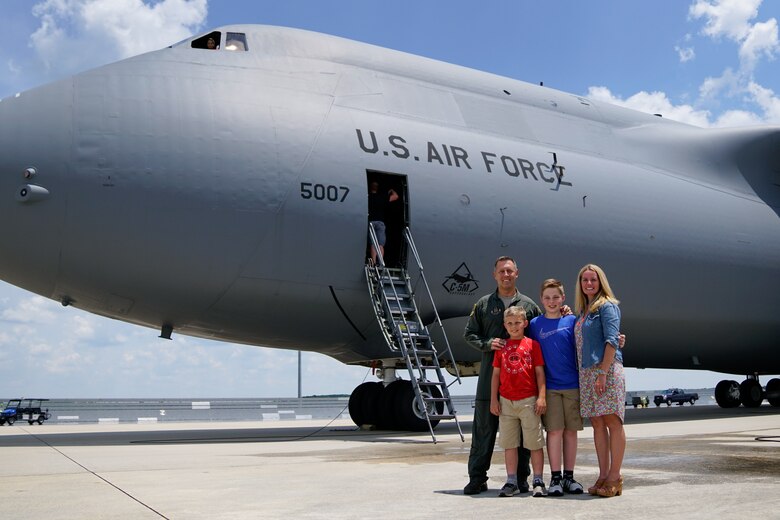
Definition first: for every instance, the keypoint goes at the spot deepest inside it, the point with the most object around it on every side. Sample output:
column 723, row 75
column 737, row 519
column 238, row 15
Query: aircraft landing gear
column 750, row 393
column 729, row 394
column 364, row 403
column 391, row 407
column 773, row 391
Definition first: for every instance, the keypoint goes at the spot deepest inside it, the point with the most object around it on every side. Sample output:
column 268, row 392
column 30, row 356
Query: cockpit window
column 235, row 42
column 209, row 41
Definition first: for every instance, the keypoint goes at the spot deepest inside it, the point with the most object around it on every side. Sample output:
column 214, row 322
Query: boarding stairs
column 394, row 301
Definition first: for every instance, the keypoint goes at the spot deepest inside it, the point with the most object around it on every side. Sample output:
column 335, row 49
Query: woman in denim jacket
column 602, row 381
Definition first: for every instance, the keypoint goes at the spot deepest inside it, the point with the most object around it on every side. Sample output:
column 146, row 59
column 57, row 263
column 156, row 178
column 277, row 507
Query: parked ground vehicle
column 640, row 401
column 675, row 395
column 29, row 410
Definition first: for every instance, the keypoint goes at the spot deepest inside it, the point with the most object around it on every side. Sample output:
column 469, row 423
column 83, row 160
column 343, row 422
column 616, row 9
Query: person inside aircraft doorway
column 377, row 210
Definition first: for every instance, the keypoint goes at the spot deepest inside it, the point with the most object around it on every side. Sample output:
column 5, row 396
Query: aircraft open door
column 390, row 203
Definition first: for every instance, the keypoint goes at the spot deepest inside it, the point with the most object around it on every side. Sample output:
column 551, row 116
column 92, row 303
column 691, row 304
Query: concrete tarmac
column 689, row 462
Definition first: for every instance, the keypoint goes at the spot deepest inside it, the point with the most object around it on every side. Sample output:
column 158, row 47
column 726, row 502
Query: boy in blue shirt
column 562, row 420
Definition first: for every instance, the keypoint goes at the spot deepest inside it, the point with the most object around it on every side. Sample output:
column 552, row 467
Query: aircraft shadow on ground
column 297, row 433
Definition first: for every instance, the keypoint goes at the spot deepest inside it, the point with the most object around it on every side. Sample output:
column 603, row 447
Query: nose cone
column 35, row 148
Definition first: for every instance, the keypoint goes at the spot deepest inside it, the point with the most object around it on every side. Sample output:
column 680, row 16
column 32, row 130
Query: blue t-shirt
column 556, row 337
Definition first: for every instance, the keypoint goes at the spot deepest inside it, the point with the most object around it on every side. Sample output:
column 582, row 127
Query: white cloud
column 713, row 87
column 658, row 103
column 732, row 118
column 61, row 362
column 136, row 27
column 732, row 19
column 12, row 67
column 653, row 103
column 685, row 53
column 729, row 18
column 27, row 310
column 110, row 29
column 83, row 327
column 760, row 40
column 767, row 100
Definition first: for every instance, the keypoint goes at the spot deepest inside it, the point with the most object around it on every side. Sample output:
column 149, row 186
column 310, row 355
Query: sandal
column 611, row 488
column 594, row 489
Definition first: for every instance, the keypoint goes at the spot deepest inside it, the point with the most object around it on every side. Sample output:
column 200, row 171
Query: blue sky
column 704, row 62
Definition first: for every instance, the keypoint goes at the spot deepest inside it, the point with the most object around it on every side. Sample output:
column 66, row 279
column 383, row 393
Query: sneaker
column 539, row 489
column 556, row 490
column 523, row 486
column 508, row 490
column 474, row 487
column 572, row 486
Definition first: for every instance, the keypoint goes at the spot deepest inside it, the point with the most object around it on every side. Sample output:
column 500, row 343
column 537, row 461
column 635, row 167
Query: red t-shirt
column 517, row 360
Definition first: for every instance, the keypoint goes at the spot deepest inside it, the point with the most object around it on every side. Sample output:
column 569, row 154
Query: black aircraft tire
column 359, row 402
column 410, row 412
column 727, row 394
column 371, row 403
column 390, row 419
column 750, row 393
column 773, row 391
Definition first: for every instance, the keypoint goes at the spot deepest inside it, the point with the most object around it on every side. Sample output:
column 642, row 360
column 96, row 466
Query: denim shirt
column 598, row 329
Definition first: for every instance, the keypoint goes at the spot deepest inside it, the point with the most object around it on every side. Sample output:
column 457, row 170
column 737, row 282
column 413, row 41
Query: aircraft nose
column 35, row 146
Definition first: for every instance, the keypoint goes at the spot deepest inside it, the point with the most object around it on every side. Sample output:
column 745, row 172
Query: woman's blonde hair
column 605, row 294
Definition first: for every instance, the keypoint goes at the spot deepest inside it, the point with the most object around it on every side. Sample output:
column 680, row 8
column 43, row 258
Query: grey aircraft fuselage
column 224, row 193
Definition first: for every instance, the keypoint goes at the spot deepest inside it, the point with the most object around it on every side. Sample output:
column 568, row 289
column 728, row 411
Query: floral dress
column 613, row 400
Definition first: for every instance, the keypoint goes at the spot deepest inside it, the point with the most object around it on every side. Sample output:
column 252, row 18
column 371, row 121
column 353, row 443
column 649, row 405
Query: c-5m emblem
column 461, row 281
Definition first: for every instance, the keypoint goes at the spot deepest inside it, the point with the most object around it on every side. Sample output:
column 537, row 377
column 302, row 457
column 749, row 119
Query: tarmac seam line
column 82, row 466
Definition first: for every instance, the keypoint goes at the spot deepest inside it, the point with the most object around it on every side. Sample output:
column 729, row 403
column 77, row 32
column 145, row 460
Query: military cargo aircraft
column 219, row 189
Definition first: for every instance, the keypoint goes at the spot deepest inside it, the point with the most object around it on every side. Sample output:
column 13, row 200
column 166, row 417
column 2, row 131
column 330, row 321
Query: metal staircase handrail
column 413, row 247
column 380, row 258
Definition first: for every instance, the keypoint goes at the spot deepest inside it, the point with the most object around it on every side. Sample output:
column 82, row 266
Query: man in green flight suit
column 485, row 332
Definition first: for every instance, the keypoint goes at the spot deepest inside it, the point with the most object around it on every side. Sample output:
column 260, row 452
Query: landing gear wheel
column 773, row 391
column 390, row 419
column 750, row 393
column 411, row 411
column 727, row 394
column 363, row 403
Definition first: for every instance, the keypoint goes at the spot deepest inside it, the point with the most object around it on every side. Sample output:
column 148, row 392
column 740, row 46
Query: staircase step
column 393, row 280
column 395, row 306
column 417, row 336
column 441, row 417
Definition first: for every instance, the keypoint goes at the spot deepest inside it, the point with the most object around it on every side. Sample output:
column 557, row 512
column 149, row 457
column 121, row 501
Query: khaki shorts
column 517, row 416
column 563, row 410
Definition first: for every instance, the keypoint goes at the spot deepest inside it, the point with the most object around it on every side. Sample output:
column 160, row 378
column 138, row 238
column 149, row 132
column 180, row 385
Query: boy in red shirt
column 517, row 396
